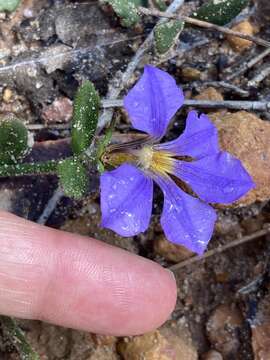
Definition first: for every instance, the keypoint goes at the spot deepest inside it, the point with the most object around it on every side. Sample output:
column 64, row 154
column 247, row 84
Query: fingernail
column 171, row 274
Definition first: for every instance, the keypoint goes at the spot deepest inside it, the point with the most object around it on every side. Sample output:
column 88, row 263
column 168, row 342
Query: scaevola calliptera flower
column 214, row 176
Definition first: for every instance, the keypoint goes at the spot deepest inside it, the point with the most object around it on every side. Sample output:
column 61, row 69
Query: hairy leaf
column 13, row 140
column 85, row 117
column 166, row 34
column 220, row 12
column 126, row 10
column 73, row 177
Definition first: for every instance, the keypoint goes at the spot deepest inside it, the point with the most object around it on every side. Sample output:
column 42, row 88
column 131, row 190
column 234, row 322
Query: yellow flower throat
column 146, row 158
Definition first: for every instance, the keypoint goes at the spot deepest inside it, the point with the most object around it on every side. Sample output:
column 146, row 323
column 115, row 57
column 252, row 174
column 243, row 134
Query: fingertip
column 152, row 298
column 80, row 282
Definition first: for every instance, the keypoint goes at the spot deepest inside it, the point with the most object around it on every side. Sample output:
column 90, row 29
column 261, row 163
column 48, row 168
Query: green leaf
column 220, row 12
column 126, row 10
column 73, row 177
column 166, row 34
column 85, row 117
column 139, row 2
column 160, row 4
column 9, row 5
column 13, row 140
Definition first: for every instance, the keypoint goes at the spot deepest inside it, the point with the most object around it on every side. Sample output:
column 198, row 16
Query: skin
column 79, row 282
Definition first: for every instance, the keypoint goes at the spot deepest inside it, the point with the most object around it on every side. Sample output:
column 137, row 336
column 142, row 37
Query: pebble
column 222, row 330
column 239, row 44
column 7, row 95
column 60, row 111
column 210, row 94
column 157, row 346
column 261, row 341
column 189, row 73
column 170, row 251
column 212, row 355
column 246, row 136
column 260, row 330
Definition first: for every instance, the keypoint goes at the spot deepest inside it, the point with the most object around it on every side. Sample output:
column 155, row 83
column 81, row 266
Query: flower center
column 157, row 161
column 142, row 154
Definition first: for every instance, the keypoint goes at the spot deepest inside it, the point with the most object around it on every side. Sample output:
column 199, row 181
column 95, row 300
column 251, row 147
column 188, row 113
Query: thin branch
column 254, row 82
column 117, row 85
column 219, row 84
column 206, row 25
column 50, row 206
column 179, row 52
column 227, row 104
column 247, row 65
column 220, row 249
column 204, row 104
column 230, row 104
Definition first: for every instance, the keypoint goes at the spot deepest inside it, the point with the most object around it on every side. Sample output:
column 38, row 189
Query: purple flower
column 194, row 158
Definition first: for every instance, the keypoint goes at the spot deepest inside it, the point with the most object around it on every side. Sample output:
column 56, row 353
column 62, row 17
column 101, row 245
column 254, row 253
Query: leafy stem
column 20, row 169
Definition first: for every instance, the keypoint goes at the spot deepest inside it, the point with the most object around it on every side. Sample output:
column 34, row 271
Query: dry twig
column 206, row 25
column 219, row 84
column 50, row 206
column 221, row 249
column 247, row 65
column 254, row 82
column 226, row 104
column 204, row 104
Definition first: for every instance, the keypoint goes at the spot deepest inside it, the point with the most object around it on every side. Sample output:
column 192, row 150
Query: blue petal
column 185, row 220
column 199, row 139
column 218, row 178
column 126, row 200
column 153, row 101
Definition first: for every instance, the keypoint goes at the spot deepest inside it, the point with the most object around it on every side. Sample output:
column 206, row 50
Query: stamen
column 160, row 162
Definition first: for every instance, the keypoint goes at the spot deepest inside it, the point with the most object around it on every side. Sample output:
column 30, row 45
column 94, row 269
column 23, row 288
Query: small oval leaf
column 220, row 12
column 166, row 34
column 126, row 10
column 73, row 177
column 85, row 117
column 13, row 140
column 9, row 5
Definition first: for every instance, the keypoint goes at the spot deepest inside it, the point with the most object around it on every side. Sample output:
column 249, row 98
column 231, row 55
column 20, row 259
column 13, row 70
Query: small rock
column 170, row 251
column 239, row 44
column 210, row 94
column 103, row 353
column 246, row 136
column 59, row 111
column 81, row 24
column 261, row 341
column 261, row 330
column 57, row 57
column 190, row 73
column 7, row 95
column 156, row 346
column 104, row 340
column 212, row 355
column 222, row 330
